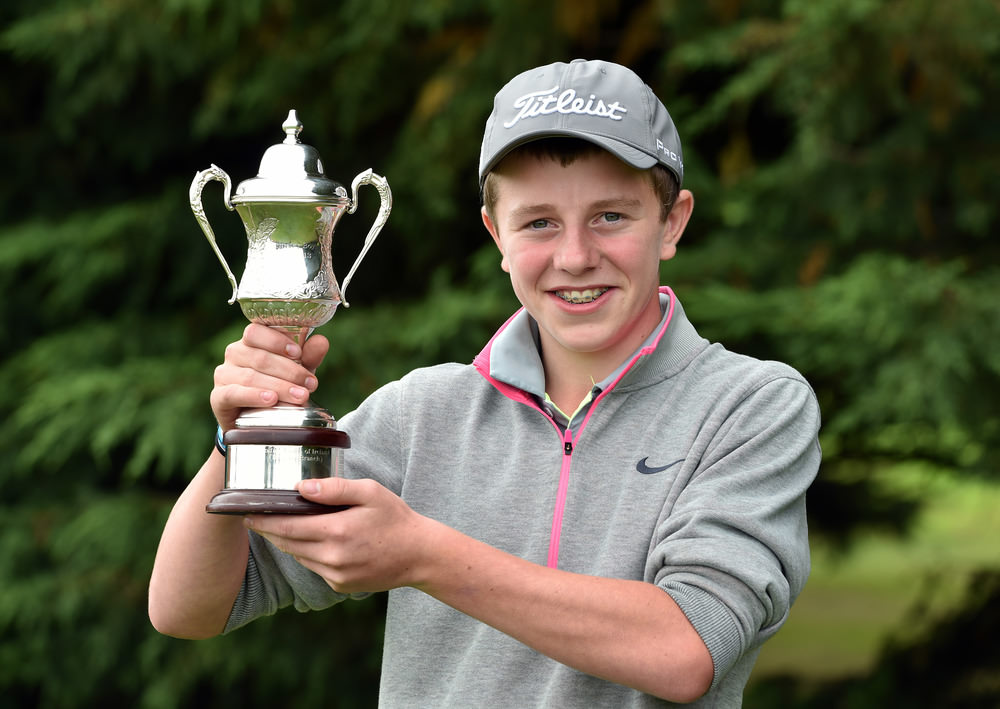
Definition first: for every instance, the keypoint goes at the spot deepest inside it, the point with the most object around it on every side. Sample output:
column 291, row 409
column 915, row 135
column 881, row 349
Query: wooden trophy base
column 265, row 463
column 275, row 502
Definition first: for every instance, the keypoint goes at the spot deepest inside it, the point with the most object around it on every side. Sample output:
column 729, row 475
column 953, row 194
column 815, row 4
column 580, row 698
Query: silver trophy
column 290, row 211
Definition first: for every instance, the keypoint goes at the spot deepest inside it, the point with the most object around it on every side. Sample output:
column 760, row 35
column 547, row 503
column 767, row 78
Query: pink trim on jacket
column 568, row 442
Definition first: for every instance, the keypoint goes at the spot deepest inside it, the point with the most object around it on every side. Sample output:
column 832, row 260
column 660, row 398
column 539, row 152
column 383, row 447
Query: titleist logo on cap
column 541, row 103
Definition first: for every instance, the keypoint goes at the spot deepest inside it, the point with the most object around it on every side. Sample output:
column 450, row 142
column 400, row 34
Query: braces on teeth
column 578, row 297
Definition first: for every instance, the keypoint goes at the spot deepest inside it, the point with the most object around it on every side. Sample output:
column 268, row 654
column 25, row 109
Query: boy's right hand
column 264, row 367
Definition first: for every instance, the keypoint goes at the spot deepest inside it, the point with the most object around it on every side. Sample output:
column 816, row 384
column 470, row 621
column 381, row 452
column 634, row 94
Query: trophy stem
column 298, row 333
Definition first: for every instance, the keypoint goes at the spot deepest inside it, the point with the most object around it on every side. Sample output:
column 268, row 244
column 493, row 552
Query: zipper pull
column 568, row 448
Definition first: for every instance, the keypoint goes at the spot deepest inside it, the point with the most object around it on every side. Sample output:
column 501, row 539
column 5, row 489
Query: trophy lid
column 291, row 171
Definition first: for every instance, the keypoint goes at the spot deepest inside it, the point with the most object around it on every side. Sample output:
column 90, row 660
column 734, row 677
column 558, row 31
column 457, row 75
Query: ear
column 676, row 222
column 492, row 229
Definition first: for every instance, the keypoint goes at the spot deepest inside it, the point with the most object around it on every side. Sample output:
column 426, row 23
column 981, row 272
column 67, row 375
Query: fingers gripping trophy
column 289, row 210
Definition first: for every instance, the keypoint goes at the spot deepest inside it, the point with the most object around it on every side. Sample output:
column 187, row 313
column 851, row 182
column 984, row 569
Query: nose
column 576, row 251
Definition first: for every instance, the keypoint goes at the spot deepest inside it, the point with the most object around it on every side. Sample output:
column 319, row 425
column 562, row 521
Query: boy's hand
column 378, row 543
column 264, row 367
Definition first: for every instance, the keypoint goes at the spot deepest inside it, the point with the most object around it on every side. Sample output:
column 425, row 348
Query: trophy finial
column 292, row 127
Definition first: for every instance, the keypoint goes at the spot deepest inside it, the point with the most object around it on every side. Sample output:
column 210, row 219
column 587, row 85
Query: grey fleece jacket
column 688, row 471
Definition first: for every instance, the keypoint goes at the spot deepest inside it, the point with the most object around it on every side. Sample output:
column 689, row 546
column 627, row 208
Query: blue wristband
column 220, row 445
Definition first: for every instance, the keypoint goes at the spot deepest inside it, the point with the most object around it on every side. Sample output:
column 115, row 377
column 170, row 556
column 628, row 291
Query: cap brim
column 624, row 152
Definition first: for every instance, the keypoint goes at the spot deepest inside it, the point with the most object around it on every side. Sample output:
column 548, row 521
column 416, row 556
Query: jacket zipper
column 557, row 516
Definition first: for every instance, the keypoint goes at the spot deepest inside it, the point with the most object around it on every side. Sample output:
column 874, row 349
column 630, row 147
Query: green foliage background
column 844, row 157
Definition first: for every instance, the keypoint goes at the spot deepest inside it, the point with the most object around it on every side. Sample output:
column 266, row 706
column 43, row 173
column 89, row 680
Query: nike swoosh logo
column 645, row 469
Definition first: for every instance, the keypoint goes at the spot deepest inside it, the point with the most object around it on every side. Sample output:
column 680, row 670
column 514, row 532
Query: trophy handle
column 197, row 185
column 385, row 194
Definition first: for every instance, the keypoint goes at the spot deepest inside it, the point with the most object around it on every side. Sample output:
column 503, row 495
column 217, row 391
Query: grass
column 884, row 586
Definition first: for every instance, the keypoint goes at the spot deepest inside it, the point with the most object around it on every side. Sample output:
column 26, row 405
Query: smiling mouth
column 581, row 296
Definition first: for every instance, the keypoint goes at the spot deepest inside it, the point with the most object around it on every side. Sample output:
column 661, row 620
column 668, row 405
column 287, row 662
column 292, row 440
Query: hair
column 568, row 150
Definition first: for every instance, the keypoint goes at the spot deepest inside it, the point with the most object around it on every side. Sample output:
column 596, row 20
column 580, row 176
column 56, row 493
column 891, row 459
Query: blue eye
column 539, row 224
column 612, row 217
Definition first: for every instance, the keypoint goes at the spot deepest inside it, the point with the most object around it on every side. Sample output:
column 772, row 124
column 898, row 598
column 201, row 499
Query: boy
column 603, row 509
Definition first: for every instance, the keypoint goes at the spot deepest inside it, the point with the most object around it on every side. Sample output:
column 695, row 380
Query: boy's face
column 583, row 245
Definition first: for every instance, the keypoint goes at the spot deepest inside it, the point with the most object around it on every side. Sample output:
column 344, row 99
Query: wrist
column 220, row 443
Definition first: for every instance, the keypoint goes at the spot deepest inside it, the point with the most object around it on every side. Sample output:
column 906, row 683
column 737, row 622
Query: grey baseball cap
column 598, row 101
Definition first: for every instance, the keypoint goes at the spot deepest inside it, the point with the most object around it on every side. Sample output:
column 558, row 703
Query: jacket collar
column 511, row 359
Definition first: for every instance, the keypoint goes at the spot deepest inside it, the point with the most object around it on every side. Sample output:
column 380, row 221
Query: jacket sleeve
column 275, row 580
column 733, row 550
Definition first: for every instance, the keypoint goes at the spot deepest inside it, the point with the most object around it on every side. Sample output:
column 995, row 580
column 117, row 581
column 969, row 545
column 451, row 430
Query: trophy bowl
column 289, row 210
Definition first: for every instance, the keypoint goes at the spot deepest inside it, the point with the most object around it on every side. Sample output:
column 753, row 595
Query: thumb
column 313, row 351
column 334, row 491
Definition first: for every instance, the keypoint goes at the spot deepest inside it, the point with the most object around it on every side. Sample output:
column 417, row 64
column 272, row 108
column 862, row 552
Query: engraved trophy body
column 290, row 210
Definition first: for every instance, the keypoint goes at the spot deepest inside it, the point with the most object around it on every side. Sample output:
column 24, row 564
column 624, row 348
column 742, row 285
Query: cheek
column 639, row 258
column 524, row 264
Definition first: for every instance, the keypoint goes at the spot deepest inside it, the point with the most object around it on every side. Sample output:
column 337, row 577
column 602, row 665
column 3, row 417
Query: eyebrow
column 529, row 211
column 616, row 203
column 610, row 205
